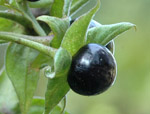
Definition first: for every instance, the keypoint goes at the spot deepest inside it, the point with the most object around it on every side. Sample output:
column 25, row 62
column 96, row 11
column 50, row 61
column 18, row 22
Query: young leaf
column 57, row 88
column 105, row 33
column 62, row 62
column 22, row 73
column 60, row 8
column 75, row 36
column 77, row 4
column 58, row 26
column 8, row 97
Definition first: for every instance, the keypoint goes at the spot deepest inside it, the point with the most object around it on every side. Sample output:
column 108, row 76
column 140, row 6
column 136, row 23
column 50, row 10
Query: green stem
column 3, row 41
column 17, row 18
column 20, row 39
column 40, row 39
column 28, row 14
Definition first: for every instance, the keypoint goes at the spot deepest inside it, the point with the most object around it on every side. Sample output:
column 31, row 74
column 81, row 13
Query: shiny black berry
column 93, row 70
column 33, row 0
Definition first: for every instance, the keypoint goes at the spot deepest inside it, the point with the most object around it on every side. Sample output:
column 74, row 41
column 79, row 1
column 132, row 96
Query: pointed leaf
column 58, row 26
column 105, row 33
column 60, row 8
column 75, row 36
column 77, row 4
column 22, row 73
column 62, row 62
column 57, row 88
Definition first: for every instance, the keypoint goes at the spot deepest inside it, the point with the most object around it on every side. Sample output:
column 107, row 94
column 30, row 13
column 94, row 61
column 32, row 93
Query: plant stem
column 20, row 39
column 3, row 41
column 28, row 14
column 40, row 39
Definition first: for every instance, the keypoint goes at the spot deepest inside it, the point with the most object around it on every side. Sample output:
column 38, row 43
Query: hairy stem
column 28, row 14
column 25, row 40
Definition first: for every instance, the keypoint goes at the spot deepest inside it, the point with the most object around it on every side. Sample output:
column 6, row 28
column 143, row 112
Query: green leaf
column 37, row 106
column 23, row 73
column 57, row 88
column 10, row 26
column 105, row 33
column 7, row 93
column 60, row 8
column 58, row 26
column 17, row 18
column 41, row 3
column 75, row 36
column 77, row 4
column 62, row 62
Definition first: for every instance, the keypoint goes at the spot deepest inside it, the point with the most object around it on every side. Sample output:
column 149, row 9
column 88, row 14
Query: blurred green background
column 131, row 92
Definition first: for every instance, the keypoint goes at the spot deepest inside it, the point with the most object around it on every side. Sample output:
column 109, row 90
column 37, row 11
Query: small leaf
column 22, row 72
column 7, row 93
column 75, row 36
column 62, row 62
column 77, row 4
column 105, row 33
column 57, row 88
column 60, row 8
column 58, row 26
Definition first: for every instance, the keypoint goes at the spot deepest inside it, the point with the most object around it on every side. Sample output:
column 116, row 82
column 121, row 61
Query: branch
column 30, row 41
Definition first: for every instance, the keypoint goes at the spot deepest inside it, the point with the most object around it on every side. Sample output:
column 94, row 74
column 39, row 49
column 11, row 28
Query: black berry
column 93, row 70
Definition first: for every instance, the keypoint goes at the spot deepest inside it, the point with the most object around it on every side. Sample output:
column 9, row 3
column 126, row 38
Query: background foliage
column 130, row 94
